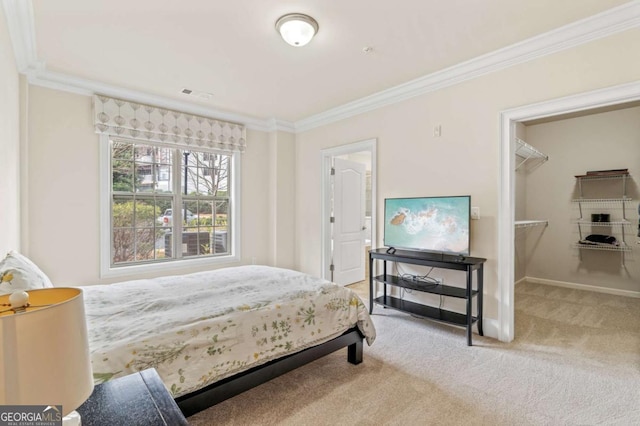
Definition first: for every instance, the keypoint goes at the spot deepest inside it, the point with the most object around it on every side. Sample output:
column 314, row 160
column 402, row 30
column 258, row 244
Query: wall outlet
column 437, row 131
column 475, row 213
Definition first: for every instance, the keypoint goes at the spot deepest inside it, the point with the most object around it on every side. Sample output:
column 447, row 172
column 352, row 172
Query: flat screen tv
column 433, row 224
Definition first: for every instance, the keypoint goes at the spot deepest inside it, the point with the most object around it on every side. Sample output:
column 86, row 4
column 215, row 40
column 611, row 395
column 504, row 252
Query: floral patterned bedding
column 199, row 328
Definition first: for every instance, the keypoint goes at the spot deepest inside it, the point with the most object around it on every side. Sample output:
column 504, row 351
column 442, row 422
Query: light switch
column 475, row 213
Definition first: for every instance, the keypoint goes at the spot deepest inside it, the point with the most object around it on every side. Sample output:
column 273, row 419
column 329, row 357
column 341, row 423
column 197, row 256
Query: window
column 168, row 204
column 169, row 187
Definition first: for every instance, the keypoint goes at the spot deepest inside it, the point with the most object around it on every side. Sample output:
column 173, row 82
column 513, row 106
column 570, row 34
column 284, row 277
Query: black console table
column 459, row 263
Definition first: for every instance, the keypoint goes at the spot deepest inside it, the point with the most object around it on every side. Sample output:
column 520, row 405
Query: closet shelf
column 621, row 174
column 529, row 223
column 604, row 177
column 616, row 223
column 526, row 152
column 621, row 247
column 606, row 204
column 602, row 200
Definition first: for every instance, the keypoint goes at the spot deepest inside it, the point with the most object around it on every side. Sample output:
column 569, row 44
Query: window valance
column 117, row 117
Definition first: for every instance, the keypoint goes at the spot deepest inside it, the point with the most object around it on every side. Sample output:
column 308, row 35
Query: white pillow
column 17, row 272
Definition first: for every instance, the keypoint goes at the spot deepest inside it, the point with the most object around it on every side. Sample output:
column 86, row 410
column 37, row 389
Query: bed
column 211, row 335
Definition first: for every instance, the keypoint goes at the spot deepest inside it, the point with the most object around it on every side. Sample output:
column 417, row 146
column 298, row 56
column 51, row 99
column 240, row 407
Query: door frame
column 606, row 97
column 326, row 157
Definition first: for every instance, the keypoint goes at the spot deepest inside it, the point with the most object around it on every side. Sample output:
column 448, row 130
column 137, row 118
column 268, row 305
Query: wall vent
column 196, row 93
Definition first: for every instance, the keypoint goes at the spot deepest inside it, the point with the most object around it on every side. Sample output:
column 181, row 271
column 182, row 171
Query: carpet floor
column 575, row 361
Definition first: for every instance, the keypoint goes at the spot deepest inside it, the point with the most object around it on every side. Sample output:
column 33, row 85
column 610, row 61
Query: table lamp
column 44, row 359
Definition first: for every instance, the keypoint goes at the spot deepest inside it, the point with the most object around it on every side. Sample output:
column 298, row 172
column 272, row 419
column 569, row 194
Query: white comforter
column 199, row 328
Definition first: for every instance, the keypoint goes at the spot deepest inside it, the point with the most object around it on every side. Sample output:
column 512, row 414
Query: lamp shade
column 297, row 29
column 44, row 359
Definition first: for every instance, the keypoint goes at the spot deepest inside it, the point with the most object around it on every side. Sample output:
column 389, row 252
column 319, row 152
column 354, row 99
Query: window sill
column 173, row 266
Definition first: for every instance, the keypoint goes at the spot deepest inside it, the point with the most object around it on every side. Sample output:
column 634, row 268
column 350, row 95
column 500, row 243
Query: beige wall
column 9, row 144
column 282, row 195
column 63, row 197
column 62, row 186
column 465, row 159
column 63, row 154
column 521, row 234
column 609, row 140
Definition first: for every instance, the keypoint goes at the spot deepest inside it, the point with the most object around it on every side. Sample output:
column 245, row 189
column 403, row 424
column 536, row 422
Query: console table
column 443, row 261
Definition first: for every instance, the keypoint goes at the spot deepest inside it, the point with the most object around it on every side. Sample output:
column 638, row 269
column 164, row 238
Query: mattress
column 199, row 328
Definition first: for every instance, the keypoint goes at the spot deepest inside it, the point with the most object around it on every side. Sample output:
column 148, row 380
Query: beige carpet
column 575, row 361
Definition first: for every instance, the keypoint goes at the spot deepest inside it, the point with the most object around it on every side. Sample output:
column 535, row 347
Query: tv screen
column 435, row 224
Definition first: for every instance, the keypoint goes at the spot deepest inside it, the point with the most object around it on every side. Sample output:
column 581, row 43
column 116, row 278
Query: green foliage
column 202, row 221
column 134, row 235
column 122, row 176
column 136, row 171
column 205, row 248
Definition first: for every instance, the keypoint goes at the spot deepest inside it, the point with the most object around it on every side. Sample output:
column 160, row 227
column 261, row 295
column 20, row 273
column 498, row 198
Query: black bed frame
column 234, row 385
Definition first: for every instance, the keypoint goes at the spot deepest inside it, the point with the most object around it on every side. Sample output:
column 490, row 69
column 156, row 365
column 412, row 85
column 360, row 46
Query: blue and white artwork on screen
column 437, row 224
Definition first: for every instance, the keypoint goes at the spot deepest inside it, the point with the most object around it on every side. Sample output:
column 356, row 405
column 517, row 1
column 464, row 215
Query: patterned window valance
column 130, row 119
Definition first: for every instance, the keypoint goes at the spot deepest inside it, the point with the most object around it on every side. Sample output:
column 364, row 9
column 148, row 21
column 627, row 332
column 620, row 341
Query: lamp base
column 72, row 419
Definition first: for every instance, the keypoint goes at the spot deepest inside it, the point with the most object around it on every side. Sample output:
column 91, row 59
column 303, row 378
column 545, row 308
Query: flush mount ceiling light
column 297, row 29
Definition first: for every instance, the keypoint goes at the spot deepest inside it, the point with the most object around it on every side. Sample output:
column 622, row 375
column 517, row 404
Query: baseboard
column 490, row 327
column 614, row 291
column 520, row 280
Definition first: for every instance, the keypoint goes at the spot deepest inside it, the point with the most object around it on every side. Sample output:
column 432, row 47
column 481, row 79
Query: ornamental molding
column 19, row 14
column 602, row 25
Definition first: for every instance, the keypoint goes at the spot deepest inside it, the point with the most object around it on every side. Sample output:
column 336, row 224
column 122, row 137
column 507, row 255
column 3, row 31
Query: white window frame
column 109, row 271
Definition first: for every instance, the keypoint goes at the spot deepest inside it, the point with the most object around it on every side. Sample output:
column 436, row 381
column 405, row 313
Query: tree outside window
column 153, row 185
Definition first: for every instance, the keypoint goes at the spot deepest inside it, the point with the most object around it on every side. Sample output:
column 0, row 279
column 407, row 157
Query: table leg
column 469, row 303
column 370, row 285
column 480, row 293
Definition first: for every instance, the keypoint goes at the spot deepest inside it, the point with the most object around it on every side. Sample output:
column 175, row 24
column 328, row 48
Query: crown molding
column 599, row 98
column 72, row 84
column 276, row 125
column 20, row 22
column 612, row 21
column 19, row 16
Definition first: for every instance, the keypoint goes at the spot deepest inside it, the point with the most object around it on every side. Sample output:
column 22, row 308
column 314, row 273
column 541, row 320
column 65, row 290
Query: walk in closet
column 577, row 200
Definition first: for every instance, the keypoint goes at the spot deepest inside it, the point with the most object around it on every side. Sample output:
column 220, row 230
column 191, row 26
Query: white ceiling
column 231, row 49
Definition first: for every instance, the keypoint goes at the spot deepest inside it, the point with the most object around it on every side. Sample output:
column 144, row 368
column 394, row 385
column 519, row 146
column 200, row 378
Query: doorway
column 509, row 119
column 346, row 234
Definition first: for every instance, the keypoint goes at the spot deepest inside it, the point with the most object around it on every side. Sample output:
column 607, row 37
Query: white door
column 349, row 186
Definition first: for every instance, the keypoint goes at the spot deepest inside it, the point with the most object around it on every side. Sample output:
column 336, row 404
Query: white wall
column 63, row 197
column 465, row 159
column 609, row 140
column 9, row 144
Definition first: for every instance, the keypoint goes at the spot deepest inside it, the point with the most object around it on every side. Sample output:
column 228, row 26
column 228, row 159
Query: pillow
column 17, row 272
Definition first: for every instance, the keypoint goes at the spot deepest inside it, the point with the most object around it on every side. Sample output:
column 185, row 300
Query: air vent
column 198, row 94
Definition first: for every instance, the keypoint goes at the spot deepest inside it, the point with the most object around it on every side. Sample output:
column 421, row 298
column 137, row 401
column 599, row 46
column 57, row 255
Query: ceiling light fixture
column 297, row 29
